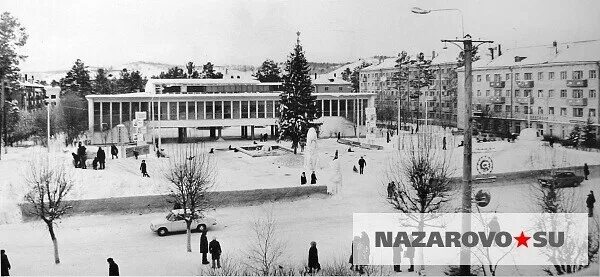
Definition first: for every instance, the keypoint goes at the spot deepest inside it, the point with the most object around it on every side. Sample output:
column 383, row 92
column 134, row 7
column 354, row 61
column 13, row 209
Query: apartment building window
column 507, row 108
column 517, row 93
column 577, row 93
column 478, row 107
column 478, row 92
column 527, row 76
column 497, row 78
column 578, row 112
column 497, row 108
column 498, row 92
column 550, row 110
column 563, row 111
column 540, row 93
column 540, row 75
column 563, row 93
column 517, row 75
column 593, row 74
column 592, row 93
column 550, row 75
column 517, row 109
column 592, row 113
column 526, row 93
column 526, row 110
column 540, row 110
column 563, row 75
column 577, row 75
column 487, row 92
column 508, row 93
column 478, row 78
column 487, row 77
column 507, row 76
column 550, row 93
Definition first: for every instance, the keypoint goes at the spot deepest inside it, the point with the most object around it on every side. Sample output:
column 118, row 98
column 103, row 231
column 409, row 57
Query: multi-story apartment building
column 28, row 94
column 550, row 88
column 436, row 104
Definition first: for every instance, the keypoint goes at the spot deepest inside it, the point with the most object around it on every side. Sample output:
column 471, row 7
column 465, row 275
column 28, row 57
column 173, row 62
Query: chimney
column 499, row 50
column 491, row 52
column 555, row 45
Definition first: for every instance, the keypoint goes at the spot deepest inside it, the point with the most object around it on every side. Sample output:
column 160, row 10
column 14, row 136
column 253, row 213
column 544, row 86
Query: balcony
column 577, row 83
column 498, row 99
column 525, row 84
column 498, row 84
column 524, row 100
column 577, row 102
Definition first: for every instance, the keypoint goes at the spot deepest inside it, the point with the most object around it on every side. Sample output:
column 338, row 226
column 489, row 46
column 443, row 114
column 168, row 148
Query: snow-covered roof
column 329, row 80
column 580, row 51
column 443, row 57
column 146, row 95
column 30, row 84
column 203, row 81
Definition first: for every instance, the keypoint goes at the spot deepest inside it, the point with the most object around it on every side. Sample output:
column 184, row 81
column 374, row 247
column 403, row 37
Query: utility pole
column 3, row 104
column 467, row 189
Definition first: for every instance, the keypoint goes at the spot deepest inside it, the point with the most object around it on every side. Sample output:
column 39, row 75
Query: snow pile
column 529, row 134
column 289, row 160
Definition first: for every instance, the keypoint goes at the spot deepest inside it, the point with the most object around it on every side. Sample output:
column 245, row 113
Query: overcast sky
column 111, row 32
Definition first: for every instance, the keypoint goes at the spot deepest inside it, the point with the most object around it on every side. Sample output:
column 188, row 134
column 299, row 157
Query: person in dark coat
column 5, row 264
column 361, row 164
column 114, row 152
column 410, row 254
column 336, row 155
column 303, row 179
column 444, row 143
column 113, row 268
column 75, row 160
column 586, row 170
column 590, row 203
column 101, row 158
column 350, row 149
column 339, row 135
column 390, row 189
column 397, row 258
column 95, row 163
column 313, row 178
column 204, row 247
column 313, row 258
column 388, row 137
column 143, row 169
column 214, row 247
column 81, row 153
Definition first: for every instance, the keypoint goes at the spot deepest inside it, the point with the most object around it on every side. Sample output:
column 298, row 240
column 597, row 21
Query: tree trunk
column 54, row 241
column 189, row 235
column 420, row 249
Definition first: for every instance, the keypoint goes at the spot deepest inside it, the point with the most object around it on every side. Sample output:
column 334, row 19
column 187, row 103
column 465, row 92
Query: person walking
column 5, row 264
column 336, row 155
column 214, row 247
column 361, row 164
column 95, row 163
column 586, row 170
column 113, row 268
column 143, row 169
column 204, row 247
column 444, row 143
column 388, row 137
column 303, row 179
column 397, row 258
column 410, row 254
column 390, row 189
column 313, row 178
column 114, row 152
column 81, row 153
column 313, row 258
column 590, row 203
column 101, row 155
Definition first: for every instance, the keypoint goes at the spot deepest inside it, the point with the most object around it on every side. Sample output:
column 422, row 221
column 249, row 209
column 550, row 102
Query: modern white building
column 214, row 105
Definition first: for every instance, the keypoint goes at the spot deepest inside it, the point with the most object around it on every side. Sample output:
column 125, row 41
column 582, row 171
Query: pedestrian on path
column 214, row 247
column 114, row 152
column 204, row 247
column 81, row 153
column 101, row 155
column 444, row 143
column 590, row 203
column 313, row 178
column 361, row 164
column 113, row 268
column 313, row 258
column 303, row 179
column 586, row 170
column 5, row 264
column 143, row 169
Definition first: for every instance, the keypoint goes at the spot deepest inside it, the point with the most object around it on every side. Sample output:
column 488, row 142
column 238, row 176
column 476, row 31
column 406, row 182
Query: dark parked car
column 561, row 179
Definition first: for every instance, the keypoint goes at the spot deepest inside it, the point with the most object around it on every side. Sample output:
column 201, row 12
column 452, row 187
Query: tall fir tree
column 268, row 72
column 77, row 80
column 298, row 105
column 101, row 84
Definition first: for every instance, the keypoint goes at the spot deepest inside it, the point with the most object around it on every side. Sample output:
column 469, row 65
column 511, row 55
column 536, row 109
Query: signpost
column 371, row 122
column 139, row 129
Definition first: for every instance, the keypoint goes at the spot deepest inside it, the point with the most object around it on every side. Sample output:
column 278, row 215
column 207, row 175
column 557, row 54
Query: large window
column 577, row 74
column 200, row 108
column 269, row 108
column 236, row 109
column 577, row 93
column 540, row 76
column 261, row 109
column 227, row 109
column 578, row 112
column 563, row 93
column 334, row 108
column 172, row 111
column 351, row 111
column 527, row 76
column 182, row 111
column 191, row 105
column 326, row 108
column 97, row 127
column 563, row 75
column 116, row 114
column 144, row 107
column 125, row 114
column 218, row 109
column 550, row 75
column 252, row 109
column 105, row 115
column 343, row 107
column 209, row 110
column 245, row 109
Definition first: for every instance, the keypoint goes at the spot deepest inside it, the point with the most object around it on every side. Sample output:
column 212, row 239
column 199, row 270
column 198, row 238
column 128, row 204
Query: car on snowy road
column 561, row 179
column 174, row 222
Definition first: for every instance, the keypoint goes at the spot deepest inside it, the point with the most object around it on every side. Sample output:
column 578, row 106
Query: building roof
column 329, row 80
column 145, row 95
column 204, row 81
column 445, row 56
column 580, row 51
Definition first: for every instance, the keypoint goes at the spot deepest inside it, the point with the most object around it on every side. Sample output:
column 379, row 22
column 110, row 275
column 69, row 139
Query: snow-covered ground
column 86, row 241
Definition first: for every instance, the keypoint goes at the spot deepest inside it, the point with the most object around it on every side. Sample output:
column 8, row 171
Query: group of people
column 214, row 248
column 99, row 162
column 313, row 178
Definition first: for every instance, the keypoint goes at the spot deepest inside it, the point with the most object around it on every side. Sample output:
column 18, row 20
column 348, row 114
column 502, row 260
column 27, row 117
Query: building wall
column 549, row 96
column 332, row 88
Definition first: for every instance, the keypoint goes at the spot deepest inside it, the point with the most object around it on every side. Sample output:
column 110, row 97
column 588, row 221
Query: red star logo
column 522, row 239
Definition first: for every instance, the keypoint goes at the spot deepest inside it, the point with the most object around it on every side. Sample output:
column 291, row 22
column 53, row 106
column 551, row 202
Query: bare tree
column 266, row 248
column 48, row 185
column 191, row 173
column 421, row 174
